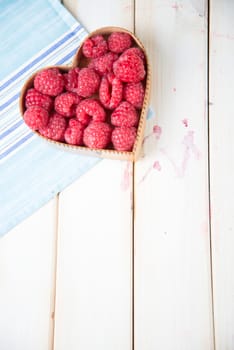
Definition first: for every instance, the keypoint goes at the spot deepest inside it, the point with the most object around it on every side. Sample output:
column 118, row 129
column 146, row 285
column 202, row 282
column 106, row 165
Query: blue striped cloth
column 33, row 34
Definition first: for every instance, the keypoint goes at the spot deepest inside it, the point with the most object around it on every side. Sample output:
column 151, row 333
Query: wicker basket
column 81, row 61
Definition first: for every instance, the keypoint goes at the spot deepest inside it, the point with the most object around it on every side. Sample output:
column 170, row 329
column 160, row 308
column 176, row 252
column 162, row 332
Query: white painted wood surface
column 222, row 170
column 93, row 300
column 27, row 282
column 82, row 240
column 173, row 304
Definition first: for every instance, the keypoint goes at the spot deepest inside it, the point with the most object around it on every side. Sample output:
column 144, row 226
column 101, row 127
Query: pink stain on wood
column 185, row 122
column 190, row 148
column 188, row 141
column 145, row 175
column 127, row 178
column 171, row 160
column 223, row 36
column 176, row 6
column 155, row 166
column 156, row 131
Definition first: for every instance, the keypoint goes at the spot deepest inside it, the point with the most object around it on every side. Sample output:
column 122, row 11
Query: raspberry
column 103, row 64
column 71, row 79
column 90, row 108
column 55, row 128
column 49, row 82
column 123, row 138
column 74, row 132
column 36, row 117
column 118, row 42
column 124, row 115
column 134, row 94
column 129, row 68
column 35, row 98
column 97, row 135
column 88, row 82
column 110, row 91
column 94, row 47
column 66, row 103
column 136, row 51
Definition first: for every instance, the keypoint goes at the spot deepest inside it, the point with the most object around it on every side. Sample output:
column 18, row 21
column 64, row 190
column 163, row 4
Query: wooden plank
column 93, row 299
column 221, row 168
column 93, row 303
column 173, row 307
column 95, row 14
column 27, row 282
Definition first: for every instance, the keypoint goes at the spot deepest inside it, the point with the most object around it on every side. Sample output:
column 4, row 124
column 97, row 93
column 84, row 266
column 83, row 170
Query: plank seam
column 133, row 217
column 133, row 255
column 54, row 278
column 134, row 15
column 209, row 168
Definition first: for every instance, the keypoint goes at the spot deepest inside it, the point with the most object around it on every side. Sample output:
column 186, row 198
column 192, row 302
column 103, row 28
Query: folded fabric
column 33, row 34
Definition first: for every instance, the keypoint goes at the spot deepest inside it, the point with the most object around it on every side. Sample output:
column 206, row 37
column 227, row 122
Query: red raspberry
column 36, row 117
column 88, row 82
column 97, row 135
column 110, row 91
column 123, row 138
column 124, row 115
column 129, row 68
column 35, row 98
column 74, row 132
column 66, row 103
column 55, row 128
column 136, row 51
column 49, row 82
column 118, row 42
column 94, row 47
column 103, row 64
column 71, row 79
column 134, row 94
column 90, row 108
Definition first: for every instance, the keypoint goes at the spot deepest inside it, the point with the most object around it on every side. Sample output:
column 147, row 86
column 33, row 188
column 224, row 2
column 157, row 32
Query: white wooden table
column 140, row 256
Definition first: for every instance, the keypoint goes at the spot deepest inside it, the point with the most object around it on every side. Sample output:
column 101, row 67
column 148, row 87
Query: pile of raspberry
column 97, row 106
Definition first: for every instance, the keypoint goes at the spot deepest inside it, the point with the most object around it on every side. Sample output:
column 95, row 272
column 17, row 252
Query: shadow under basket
column 81, row 61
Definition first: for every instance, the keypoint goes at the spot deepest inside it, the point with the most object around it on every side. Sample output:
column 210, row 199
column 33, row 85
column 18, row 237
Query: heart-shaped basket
column 80, row 61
